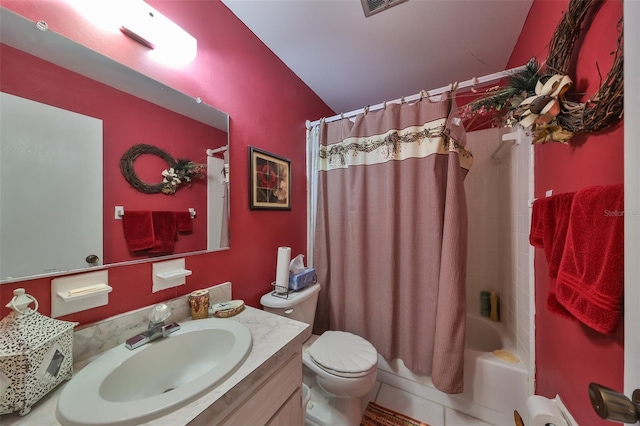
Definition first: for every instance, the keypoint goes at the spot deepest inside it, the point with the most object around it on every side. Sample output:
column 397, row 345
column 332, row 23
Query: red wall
column 267, row 105
column 568, row 355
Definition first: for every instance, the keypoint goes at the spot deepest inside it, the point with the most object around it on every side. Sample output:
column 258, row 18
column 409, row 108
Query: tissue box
column 302, row 279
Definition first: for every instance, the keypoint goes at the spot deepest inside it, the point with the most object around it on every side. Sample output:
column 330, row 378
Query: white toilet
column 341, row 364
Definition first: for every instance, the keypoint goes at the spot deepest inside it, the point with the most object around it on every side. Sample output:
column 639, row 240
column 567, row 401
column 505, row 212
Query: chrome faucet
column 156, row 329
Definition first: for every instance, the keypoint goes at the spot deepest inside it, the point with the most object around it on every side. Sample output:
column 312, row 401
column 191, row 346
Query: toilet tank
column 298, row 305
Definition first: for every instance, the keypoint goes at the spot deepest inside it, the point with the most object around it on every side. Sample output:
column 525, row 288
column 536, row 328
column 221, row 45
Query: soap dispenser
column 36, row 354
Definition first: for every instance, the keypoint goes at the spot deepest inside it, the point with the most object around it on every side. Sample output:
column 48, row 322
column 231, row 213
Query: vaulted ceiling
column 351, row 61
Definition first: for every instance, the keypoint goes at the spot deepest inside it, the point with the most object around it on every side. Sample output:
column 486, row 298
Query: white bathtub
column 489, row 380
column 484, row 335
column 493, row 388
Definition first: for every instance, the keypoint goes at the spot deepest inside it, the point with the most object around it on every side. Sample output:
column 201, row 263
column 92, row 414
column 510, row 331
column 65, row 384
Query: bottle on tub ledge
column 495, row 306
column 485, row 304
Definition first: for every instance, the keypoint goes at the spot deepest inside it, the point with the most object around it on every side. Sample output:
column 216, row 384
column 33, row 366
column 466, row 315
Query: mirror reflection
column 68, row 117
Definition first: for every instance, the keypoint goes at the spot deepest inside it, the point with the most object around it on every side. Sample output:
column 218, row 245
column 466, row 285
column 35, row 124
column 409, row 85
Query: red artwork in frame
column 270, row 181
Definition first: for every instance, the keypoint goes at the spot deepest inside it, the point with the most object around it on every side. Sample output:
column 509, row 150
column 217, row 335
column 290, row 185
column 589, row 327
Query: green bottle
column 485, row 304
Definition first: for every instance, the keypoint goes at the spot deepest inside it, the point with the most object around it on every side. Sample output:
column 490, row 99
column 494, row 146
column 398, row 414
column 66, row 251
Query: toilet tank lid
column 269, row 300
column 343, row 352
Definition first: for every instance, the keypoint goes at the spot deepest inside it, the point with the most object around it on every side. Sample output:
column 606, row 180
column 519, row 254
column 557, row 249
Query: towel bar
column 119, row 212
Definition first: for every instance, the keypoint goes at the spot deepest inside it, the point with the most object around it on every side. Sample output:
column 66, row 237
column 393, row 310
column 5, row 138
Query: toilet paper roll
column 282, row 269
column 544, row 411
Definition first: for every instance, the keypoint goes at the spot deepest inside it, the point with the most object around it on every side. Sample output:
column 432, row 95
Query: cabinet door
column 290, row 413
column 261, row 405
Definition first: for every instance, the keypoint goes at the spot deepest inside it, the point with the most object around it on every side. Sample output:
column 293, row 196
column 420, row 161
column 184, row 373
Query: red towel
column 537, row 223
column 554, row 306
column 549, row 224
column 184, row 222
column 138, row 230
column 165, row 230
column 556, row 225
column 591, row 277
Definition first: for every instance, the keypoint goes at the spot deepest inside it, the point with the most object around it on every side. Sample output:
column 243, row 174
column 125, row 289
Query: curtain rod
column 431, row 93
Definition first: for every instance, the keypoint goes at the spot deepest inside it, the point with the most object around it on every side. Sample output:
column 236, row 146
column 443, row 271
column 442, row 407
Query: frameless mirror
column 69, row 114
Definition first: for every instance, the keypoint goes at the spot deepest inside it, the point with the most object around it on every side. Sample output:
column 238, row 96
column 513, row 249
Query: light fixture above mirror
column 147, row 26
column 169, row 44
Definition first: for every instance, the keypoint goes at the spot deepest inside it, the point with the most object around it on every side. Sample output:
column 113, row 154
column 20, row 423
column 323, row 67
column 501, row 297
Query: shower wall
column 499, row 256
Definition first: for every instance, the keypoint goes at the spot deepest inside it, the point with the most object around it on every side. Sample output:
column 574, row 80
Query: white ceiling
column 351, row 61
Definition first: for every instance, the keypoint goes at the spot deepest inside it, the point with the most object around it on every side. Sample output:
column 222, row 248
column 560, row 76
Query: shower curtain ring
column 366, row 110
column 474, row 80
column 384, row 105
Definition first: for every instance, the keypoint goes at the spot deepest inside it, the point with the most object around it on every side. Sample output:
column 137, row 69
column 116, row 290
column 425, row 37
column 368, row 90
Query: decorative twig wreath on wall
column 129, row 172
column 177, row 173
column 536, row 98
column 603, row 108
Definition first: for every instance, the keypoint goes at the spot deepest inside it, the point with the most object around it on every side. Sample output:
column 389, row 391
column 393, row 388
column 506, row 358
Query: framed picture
column 270, row 181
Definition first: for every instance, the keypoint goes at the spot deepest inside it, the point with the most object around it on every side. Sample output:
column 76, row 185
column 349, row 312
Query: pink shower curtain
column 391, row 235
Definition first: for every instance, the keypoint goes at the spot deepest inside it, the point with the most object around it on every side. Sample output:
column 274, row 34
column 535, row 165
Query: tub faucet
column 156, row 329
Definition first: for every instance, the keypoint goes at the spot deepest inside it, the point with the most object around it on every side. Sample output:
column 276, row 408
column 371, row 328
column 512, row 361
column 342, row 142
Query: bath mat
column 375, row 415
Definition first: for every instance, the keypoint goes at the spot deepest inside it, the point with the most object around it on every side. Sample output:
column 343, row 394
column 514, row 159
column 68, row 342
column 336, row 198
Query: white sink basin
column 127, row 387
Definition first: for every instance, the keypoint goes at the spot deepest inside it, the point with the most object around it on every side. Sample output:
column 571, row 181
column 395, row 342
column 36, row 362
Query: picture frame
column 269, row 181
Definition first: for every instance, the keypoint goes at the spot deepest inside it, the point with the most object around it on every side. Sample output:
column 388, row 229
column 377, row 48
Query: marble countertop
column 273, row 337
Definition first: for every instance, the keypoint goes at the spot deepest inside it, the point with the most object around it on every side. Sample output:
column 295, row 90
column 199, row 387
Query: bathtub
column 489, row 380
column 493, row 387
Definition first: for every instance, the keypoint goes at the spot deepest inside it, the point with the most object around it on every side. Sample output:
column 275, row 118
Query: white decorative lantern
column 36, row 354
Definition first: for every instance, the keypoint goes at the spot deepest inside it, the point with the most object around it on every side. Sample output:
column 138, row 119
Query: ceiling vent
column 374, row 6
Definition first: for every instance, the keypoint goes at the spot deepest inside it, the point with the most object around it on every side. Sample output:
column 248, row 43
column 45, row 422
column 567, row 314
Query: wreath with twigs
column 179, row 172
column 536, row 98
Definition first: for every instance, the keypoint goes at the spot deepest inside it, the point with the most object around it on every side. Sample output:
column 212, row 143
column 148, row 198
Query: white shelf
column 178, row 273
column 79, row 292
column 170, row 273
column 84, row 292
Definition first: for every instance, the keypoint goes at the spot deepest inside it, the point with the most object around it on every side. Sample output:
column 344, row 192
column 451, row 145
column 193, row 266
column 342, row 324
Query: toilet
column 340, row 367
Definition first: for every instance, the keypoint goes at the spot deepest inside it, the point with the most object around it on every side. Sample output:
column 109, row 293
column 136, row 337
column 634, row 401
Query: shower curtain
column 390, row 233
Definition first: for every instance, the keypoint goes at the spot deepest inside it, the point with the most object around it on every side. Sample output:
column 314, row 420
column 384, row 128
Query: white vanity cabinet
column 264, row 390
column 275, row 400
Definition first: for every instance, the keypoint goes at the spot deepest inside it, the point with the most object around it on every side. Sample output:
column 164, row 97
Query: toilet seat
column 343, row 354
